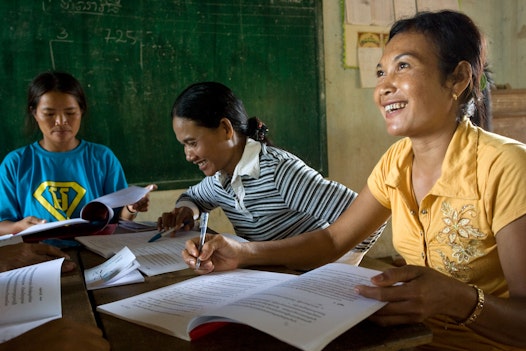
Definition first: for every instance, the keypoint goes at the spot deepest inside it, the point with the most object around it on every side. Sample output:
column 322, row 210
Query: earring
column 455, row 96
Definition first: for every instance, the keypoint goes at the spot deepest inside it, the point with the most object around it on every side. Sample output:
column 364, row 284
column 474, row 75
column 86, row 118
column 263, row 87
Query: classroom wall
column 355, row 130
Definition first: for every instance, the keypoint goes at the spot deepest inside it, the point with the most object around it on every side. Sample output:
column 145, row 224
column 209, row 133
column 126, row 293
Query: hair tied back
column 260, row 131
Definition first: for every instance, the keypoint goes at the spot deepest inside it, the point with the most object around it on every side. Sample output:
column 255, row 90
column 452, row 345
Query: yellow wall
column 355, row 129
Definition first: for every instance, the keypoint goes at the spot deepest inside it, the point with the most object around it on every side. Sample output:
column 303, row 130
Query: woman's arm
column 303, row 251
column 426, row 293
column 25, row 254
column 9, row 227
column 129, row 212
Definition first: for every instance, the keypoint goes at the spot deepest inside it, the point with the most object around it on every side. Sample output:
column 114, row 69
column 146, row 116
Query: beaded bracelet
column 478, row 308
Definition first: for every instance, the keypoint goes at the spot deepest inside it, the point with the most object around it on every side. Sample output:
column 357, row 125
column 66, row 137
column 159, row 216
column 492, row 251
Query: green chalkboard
column 133, row 58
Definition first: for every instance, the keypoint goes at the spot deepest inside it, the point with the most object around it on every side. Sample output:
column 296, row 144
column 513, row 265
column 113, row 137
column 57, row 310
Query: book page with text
column 30, row 297
column 309, row 311
column 170, row 309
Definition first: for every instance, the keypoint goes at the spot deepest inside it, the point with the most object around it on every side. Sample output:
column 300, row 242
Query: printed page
column 50, row 225
column 164, row 255
column 169, row 309
column 307, row 312
column 158, row 257
column 108, row 245
column 30, row 297
column 119, row 198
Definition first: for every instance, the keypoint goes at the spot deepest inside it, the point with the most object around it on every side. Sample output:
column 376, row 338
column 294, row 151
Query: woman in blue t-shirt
column 54, row 177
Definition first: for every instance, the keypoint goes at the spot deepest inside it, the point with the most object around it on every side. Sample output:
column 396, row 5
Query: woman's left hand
column 142, row 204
column 416, row 293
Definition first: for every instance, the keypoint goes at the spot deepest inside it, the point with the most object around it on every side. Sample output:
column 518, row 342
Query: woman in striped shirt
column 267, row 193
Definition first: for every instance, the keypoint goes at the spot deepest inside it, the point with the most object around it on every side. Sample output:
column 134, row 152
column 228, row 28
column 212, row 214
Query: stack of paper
column 30, row 297
column 120, row 269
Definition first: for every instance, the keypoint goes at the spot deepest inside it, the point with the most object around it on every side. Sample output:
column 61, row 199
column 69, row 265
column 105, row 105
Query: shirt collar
column 459, row 168
column 248, row 164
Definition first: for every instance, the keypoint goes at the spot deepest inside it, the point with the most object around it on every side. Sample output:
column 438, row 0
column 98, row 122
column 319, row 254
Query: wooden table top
column 80, row 305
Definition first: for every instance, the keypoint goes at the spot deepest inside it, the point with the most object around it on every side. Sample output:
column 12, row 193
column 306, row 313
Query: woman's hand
column 25, row 254
column 181, row 218
column 142, row 204
column 416, row 293
column 130, row 211
column 218, row 253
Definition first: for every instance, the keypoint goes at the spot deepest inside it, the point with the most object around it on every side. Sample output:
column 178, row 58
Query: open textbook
column 94, row 217
column 30, row 297
column 158, row 257
column 307, row 311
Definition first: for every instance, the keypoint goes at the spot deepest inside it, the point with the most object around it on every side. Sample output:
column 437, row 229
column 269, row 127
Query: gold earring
column 455, row 96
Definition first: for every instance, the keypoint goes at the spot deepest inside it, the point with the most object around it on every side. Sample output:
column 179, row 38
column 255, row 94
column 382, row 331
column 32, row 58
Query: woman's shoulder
column 277, row 154
column 494, row 145
column 21, row 152
column 95, row 148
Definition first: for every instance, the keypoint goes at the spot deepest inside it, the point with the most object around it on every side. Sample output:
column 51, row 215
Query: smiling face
column 212, row 149
column 411, row 94
column 58, row 116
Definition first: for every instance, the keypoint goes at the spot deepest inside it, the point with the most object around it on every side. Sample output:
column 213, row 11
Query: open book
column 307, row 311
column 94, row 217
column 158, row 257
column 30, row 297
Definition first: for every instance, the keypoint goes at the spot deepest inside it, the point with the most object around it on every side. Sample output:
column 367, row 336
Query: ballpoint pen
column 203, row 224
column 161, row 234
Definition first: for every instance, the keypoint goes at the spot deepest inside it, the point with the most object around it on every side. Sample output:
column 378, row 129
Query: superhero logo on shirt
column 60, row 199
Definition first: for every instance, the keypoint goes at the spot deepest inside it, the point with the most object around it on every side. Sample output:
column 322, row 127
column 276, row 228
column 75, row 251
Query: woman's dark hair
column 52, row 81
column 206, row 103
column 456, row 38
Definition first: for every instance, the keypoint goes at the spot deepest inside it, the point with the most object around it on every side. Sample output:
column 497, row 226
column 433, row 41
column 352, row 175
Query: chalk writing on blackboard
column 99, row 7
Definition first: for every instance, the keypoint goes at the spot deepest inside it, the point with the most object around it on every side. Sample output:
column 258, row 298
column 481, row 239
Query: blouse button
column 424, row 212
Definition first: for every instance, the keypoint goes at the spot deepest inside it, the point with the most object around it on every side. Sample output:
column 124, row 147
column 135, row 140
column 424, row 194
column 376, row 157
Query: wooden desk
column 127, row 336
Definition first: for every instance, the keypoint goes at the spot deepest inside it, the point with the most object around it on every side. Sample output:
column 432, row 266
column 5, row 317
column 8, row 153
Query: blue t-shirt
column 56, row 185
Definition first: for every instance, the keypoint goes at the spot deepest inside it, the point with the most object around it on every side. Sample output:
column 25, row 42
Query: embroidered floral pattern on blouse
column 462, row 238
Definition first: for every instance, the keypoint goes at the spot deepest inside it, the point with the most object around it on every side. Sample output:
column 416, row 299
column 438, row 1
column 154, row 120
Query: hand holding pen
column 203, row 224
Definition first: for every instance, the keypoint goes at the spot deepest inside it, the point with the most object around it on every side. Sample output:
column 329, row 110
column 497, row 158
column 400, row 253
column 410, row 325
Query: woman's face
column 411, row 94
column 208, row 148
column 58, row 116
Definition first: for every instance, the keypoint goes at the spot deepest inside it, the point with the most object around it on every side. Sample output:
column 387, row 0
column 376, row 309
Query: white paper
column 436, row 5
column 119, row 198
column 306, row 311
column 404, row 8
column 123, row 197
column 117, row 270
column 382, row 12
column 368, row 58
column 358, row 12
column 30, row 297
column 158, row 257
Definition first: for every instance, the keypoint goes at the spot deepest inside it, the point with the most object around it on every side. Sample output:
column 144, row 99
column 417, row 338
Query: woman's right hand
column 218, row 253
column 181, row 218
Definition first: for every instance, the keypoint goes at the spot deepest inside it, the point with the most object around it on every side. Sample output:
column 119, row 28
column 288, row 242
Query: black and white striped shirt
column 288, row 198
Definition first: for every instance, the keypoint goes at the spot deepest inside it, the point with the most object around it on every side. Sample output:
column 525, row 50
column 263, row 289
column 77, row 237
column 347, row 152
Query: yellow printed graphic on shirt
column 60, row 199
